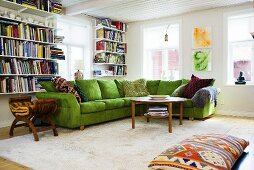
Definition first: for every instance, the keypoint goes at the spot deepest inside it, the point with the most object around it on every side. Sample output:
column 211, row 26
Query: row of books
column 45, row 5
column 20, row 30
column 109, row 58
column 112, row 35
column 13, row 66
column 112, row 71
column 24, row 49
column 111, row 46
column 57, row 53
column 160, row 111
column 17, row 84
column 114, row 24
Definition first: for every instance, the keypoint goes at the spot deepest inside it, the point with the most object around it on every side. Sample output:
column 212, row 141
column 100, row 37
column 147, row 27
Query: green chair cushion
column 48, row 86
column 112, row 103
column 135, row 88
column 109, row 89
column 168, row 87
column 92, row 106
column 119, row 85
column 179, row 91
column 90, row 88
column 152, row 86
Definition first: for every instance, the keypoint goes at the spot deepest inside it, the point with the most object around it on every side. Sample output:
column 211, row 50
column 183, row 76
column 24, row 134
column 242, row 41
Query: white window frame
column 228, row 70
column 158, row 24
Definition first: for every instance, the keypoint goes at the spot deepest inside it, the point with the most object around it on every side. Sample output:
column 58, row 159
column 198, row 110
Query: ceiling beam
column 82, row 7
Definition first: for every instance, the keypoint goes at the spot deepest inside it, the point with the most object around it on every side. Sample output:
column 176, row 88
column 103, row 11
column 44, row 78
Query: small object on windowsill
column 78, row 75
column 241, row 79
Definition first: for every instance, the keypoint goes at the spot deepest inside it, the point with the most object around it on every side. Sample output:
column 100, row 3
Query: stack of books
column 160, row 111
column 56, row 8
column 58, row 39
column 30, row 3
column 57, row 53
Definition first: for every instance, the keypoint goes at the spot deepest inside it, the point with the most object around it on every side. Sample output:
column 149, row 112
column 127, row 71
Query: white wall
column 232, row 100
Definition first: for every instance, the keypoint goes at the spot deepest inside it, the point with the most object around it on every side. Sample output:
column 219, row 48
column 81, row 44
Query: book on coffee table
column 158, row 111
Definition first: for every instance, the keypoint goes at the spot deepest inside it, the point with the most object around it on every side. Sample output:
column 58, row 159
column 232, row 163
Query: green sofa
column 106, row 101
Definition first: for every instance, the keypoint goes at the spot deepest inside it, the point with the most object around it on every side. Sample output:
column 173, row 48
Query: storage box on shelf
column 110, row 48
column 26, row 51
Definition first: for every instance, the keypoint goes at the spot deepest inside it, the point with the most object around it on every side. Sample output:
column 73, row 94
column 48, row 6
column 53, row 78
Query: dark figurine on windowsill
column 240, row 79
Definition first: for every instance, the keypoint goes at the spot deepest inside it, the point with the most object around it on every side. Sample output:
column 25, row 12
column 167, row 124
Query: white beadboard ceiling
column 138, row 10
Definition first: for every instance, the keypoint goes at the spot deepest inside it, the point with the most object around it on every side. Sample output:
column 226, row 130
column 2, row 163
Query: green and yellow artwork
column 201, row 60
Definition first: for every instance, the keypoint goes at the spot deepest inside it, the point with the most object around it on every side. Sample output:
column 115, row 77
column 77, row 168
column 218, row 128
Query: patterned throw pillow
column 194, row 85
column 135, row 88
column 80, row 92
column 62, row 85
column 179, row 91
column 212, row 151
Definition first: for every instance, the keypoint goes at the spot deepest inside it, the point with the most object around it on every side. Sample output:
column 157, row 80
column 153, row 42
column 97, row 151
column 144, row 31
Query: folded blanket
column 202, row 96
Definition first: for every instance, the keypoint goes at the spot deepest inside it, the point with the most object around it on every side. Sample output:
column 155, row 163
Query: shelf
column 40, row 42
column 103, row 51
column 28, row 58
column 109, row 75
column 28, row 23
column 21, row 8
column 109, row 64
column 27, row 75
column 109, row 40
column 108, row 28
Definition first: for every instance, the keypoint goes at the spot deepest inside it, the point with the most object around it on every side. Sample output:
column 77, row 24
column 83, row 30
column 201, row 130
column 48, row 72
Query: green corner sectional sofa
column 107, row 101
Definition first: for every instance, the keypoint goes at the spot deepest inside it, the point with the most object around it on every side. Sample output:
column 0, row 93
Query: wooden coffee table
column 168, row 102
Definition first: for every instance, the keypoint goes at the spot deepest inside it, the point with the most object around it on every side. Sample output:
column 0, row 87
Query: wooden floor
column 245, row 162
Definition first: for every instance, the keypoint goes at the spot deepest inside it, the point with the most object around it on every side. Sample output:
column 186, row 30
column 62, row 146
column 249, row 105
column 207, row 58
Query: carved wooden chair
column 27, row 111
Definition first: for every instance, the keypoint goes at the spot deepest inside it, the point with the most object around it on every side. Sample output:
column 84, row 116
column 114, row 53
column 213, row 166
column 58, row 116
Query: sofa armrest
column 205, row 95
column 68, row 109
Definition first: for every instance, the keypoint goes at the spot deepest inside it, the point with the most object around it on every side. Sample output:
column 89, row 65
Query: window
column 240, row 47
column 75, row 47
column 161, row 59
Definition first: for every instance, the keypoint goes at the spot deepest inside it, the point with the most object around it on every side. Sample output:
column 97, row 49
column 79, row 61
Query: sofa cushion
column 194, row 85
column 214, row 151
column 152, row 86
column 185, row 81
column 119, row 85
column 81, row 93
column 109, row 89
column 48, row 86
column 188, row 103
column 178, row 92
column 168, row 87
column 112, row 103
column 90, row 88
column 135, row 88
column 92, row 106
column 127, row 101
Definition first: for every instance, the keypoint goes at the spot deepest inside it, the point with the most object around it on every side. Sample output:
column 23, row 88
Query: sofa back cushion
column 168, row 87
column 48, row 86
column 108, row 89
column 119, row 84
column 152, row 86
column 90, row 88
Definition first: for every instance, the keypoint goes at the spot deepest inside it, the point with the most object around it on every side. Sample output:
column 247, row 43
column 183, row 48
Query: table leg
column 181, row 113
column 133, row 104
column 170, row 117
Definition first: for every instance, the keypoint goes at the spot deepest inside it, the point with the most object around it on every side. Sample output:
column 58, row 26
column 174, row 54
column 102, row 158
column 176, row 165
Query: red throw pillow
column 194, row 85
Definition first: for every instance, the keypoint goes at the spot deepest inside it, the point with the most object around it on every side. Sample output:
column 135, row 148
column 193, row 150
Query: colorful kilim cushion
column 63, row 85
column 21, row 108
column 194, row 85
column 210, row 152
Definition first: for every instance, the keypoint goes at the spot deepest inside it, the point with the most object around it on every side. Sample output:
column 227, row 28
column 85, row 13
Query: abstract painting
column 201, row 60
column 202, row 37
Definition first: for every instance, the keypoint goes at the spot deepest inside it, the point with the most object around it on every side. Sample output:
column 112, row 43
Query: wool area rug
column 113, row 145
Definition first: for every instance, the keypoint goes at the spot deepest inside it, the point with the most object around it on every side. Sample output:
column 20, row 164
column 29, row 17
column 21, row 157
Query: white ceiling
column 137, row 10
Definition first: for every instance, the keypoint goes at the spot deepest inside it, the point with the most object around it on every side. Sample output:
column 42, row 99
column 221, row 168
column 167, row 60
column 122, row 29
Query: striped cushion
column 20, row 108
column 213, row 151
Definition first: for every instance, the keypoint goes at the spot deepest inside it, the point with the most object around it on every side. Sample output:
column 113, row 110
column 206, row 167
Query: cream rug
column 113, row 145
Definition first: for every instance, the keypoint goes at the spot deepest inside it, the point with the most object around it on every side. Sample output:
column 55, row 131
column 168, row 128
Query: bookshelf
column 110, row 48
column 27, row 48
